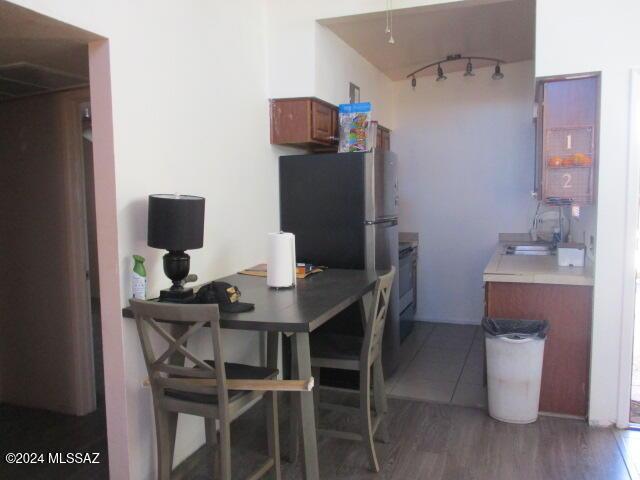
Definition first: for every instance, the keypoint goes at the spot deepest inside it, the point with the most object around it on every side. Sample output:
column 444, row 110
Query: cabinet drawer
column 322, row 121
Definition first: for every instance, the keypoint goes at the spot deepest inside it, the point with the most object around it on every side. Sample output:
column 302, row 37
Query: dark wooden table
column 296, row 312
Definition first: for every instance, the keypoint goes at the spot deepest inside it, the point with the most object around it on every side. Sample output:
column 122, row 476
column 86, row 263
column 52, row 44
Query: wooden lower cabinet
column 565, row 370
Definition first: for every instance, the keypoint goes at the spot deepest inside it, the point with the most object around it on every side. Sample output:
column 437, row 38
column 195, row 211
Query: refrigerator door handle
column 390, row 220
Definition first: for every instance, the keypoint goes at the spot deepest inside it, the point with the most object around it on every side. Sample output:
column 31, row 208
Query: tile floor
column 442, row 363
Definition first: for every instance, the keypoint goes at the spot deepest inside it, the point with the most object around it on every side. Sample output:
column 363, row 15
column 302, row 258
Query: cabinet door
column 289, row 121
column 322, row 122
column 386, row 140
column 379, row 138
column 569, row 137
column 335, row 126
column 567, row 308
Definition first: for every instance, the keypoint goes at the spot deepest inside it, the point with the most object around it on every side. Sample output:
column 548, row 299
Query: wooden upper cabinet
column 309, row 122
column 383, row 137
column 567, row 139
column 304, row 122
column 322, row 122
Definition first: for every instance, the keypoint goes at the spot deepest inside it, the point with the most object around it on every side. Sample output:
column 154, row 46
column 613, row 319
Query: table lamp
column 176, row 224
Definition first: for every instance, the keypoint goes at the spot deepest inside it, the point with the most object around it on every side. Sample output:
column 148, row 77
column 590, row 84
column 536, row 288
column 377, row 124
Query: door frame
column 104, row 169
column 630, row 239
column 84, row 391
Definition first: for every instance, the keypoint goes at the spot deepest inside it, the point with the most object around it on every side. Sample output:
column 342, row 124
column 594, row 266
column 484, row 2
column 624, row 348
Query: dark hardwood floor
column 427, row 440
column 435, row 441
column 30, row 430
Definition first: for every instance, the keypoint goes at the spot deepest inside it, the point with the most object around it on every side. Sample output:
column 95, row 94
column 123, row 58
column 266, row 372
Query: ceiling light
column 469, row 69
column 497, row 74
column 389, row 28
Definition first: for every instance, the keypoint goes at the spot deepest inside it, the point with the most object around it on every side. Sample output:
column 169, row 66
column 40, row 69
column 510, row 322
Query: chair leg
column 294, row 418
column 315, row 371
column 273, row 441
column 211, row 435
column 380, row 400
column 163, row 440
column 224, row 449
column 210, row 431
column 365, row 415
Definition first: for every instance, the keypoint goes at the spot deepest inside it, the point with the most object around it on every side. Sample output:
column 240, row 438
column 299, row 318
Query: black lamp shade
column 176, row 222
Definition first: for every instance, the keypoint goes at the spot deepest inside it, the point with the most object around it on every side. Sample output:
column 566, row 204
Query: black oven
column 407, row 286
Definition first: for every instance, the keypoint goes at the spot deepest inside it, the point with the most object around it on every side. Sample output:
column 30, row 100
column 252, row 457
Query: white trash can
column 515, row 349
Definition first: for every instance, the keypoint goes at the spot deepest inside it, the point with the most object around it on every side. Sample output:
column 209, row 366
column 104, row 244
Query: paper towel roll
column 281, row 260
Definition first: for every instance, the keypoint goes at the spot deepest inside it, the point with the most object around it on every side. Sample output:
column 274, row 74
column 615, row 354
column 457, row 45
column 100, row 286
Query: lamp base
column 176, row 267
column 177, row 295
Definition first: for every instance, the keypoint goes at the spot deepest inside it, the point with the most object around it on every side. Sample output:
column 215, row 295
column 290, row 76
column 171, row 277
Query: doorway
column 634, row 411
column 51, row 369
column 629, row 401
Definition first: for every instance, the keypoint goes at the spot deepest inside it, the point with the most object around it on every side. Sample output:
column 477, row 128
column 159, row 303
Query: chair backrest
column 168, row 367
column 374, row 330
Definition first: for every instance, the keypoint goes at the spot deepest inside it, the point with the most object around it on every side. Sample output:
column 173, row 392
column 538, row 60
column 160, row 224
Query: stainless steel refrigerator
column 343, row 210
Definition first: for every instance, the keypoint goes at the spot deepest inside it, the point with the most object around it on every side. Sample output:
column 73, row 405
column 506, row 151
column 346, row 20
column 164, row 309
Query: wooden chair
column 360, row 354
column 204, row 389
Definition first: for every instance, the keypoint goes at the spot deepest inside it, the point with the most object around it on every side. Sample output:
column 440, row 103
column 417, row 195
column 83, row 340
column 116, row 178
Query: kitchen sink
column 528, row 250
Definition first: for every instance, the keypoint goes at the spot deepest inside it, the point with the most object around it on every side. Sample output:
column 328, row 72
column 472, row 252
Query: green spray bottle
column 139, row 278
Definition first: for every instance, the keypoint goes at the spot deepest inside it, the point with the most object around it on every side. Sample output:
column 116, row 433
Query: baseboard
column 601, row 423
column 456, row 321
column 562, row 415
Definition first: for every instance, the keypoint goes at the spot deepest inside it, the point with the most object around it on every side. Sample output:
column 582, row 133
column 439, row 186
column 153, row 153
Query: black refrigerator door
column 383, row 200
column 322, row 202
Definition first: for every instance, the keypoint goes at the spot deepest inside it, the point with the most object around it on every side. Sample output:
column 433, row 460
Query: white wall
column 337, row 64
column 189, row 115
column 613, row 51
column 189, row 92
column 465, row 149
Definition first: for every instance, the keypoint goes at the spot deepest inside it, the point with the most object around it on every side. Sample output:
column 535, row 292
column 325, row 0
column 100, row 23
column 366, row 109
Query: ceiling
column 502, row 29
column 27, row 39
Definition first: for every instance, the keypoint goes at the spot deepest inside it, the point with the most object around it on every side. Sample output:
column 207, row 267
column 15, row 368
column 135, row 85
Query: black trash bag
column 516, row 329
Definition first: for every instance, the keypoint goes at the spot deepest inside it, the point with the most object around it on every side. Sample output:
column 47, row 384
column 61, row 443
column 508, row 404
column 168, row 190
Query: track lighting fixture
column 497, row 74
column 469, row 69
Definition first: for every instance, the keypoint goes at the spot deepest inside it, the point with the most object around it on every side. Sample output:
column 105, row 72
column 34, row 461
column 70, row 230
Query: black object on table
column 176, row 224
column 297, row 312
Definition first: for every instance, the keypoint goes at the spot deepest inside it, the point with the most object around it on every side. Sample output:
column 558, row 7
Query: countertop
column 534, row 268
column 408, row 239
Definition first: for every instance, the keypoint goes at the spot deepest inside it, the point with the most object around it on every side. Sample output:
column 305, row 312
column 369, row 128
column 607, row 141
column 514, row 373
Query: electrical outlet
column 575, row 211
